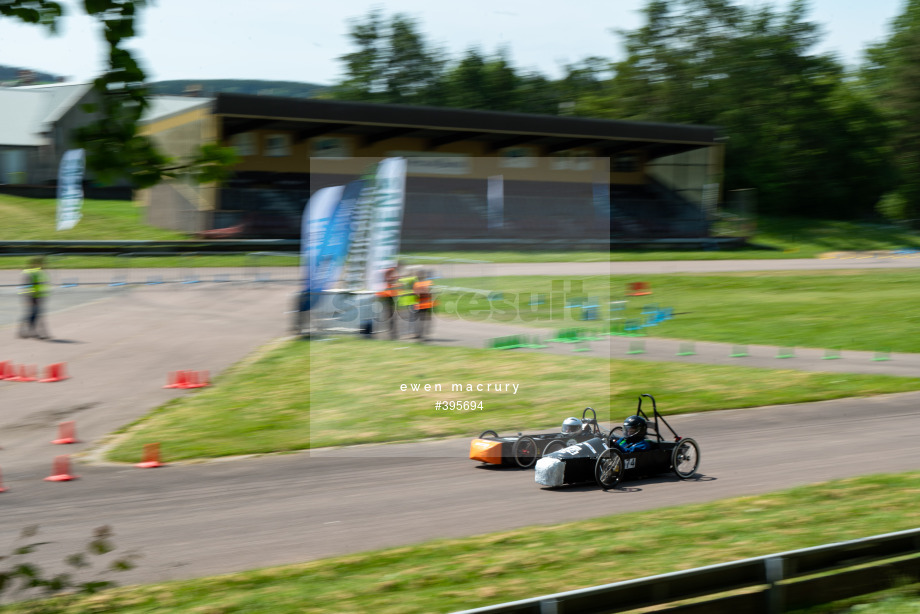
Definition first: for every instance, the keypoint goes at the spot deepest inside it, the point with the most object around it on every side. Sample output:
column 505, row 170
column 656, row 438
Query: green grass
column 300, row 394
column 899, row 600
column 775, row 238
column 33, row 219
column 845, row 309
column 453, row 574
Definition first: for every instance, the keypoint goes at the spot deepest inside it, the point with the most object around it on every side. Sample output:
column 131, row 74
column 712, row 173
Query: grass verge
column 303, row 394
column 452, row 574
column 34, row 219
column 842, row 309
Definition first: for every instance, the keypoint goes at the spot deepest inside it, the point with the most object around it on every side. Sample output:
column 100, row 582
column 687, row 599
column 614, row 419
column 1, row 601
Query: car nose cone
column 549, row 472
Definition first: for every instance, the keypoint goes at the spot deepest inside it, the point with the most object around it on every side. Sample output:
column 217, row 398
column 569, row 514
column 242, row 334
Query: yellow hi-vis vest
column 37, row 285
column 407, row 296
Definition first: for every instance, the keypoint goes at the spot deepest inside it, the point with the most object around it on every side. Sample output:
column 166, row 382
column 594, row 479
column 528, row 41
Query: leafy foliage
column 797, row 129
column 114, row 147
column 810, row 138
column 892, row 72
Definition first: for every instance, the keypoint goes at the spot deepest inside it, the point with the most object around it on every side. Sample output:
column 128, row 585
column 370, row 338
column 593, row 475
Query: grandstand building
column 564, row 179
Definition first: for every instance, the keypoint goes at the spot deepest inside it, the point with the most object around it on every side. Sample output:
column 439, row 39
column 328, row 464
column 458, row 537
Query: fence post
column 773, row 568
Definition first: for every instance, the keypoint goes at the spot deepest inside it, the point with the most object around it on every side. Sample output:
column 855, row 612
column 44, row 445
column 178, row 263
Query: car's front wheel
column 608, row 470
column 685, row 459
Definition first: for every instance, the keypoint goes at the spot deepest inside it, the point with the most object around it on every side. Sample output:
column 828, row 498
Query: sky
column 298, row 40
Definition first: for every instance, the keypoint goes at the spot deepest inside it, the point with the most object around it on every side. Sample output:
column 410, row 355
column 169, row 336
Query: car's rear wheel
column 525, row 452
column 609, row 468
column 489, row 433
column 685, row 458
column 553, row 446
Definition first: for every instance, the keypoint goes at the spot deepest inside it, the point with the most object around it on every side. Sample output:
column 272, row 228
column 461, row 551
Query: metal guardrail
column 770, row 584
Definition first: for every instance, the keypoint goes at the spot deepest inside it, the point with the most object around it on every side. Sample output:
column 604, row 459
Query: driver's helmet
column 634, row 429
column 571, row 426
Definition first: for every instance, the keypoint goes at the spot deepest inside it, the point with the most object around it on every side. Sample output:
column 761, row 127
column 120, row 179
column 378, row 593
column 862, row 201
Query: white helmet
column 571, row 426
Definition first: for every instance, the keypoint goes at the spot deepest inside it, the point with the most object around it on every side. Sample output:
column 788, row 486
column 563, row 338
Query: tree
column 114, row 147
column 892, row 74
column 393, row 63
column 481, row 82
column 794, row 130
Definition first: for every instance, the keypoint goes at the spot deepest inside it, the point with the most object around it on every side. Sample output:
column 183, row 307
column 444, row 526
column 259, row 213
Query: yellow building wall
column 179, row 136
column 482, row 163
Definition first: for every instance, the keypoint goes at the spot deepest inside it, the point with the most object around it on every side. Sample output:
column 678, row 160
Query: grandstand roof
column 308, row 118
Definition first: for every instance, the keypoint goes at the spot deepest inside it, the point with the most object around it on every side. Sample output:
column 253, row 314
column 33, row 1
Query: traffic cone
column 176, row 379
column 191, row 380
column 26, row 374
column 151, row 456
column 4, row 364
column 60, row 470
column 67, row 433
column 196, row 379
column 54, row 373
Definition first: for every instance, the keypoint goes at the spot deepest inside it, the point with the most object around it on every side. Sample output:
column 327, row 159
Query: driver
column 571, row 426
column 634, row 430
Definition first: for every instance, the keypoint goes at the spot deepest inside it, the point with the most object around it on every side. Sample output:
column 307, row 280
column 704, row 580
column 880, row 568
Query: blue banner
column 330, row 236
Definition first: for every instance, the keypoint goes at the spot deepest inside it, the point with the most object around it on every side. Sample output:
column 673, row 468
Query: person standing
column 388, row 298
column 425, row 306
column 34, row 290
column 408, row 300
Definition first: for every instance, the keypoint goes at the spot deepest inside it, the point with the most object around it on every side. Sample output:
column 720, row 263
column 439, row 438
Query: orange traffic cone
column 178, row 379
column 4, row 365
column 151, row 456
column 26, row 374
column 67, row 433
column 54, row 373
column 60, row 470
column 191, row 380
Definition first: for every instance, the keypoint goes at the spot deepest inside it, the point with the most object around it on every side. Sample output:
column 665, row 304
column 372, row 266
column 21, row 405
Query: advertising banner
column 389, row 199
column 70, row 189
column 316, row 218
column 326, row 265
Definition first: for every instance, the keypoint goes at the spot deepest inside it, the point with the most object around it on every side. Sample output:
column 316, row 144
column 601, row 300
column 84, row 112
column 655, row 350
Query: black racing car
column 604, row 461
column 524, row 450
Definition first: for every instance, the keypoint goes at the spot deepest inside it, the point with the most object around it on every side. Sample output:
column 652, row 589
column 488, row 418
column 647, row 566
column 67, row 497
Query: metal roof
column 23, row 112
column 307, row 118
column 28, row 112
column 58, row 99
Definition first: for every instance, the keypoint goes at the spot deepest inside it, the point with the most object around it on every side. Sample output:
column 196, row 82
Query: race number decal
column 630, row 463
column 572, row 450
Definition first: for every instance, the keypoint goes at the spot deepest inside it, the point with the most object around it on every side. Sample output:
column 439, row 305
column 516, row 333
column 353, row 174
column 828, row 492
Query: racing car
column 607, row 460
column 524, row 450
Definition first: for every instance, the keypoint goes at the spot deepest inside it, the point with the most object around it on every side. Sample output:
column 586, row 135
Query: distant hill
column 11, row 75
column 208, row 87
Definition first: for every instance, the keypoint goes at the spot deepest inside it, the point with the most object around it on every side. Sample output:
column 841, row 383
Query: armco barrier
column 770, row 584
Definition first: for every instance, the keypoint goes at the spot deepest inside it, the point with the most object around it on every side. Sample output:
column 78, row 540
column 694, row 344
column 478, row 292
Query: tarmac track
column 201, row 519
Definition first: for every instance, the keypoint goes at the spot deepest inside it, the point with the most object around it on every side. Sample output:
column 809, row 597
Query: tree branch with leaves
column 115, row 148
